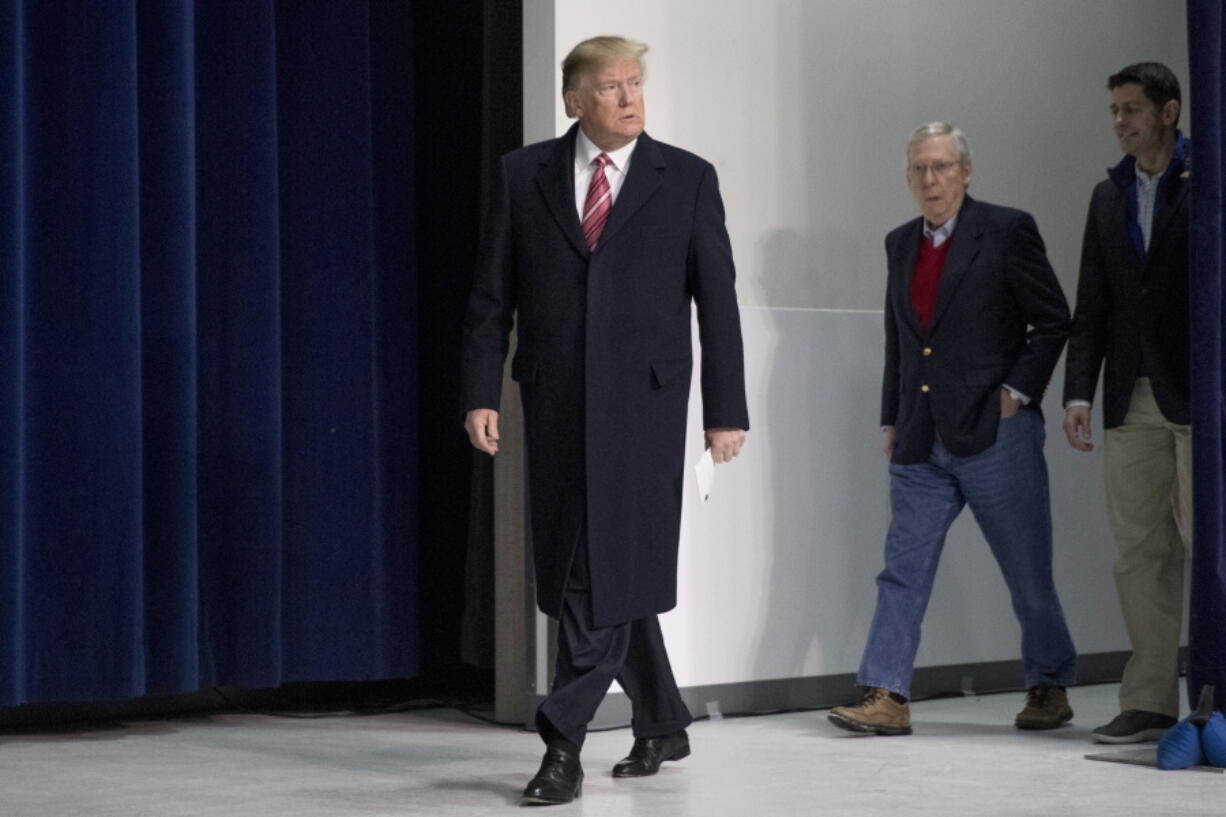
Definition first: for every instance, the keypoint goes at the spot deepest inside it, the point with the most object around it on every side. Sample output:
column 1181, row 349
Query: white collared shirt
column 1147, row 195
column 585, row 165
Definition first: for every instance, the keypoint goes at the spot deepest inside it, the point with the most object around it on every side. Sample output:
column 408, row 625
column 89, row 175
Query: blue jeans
column 1006, row 488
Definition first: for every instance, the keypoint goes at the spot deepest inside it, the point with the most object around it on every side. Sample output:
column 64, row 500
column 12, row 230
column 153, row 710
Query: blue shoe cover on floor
column 1213, row 740
column 1180, row 747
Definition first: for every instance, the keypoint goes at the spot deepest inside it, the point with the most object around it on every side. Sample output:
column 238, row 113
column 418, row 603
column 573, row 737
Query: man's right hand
column 482, row 428
column 888, row 447
column 1077, row 427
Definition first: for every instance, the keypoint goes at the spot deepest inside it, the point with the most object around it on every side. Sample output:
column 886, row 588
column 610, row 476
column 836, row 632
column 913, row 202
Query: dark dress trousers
column 1133, row 304
column 1000, row 318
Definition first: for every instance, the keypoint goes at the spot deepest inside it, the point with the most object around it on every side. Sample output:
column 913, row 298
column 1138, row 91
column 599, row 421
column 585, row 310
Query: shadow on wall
column 808, row 270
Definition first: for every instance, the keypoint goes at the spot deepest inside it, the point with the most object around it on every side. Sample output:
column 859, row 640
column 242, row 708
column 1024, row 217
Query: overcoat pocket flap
column 666, row 371
column 523, row 369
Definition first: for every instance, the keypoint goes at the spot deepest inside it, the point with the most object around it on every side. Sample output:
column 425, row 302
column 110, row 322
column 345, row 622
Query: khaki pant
column 1149, row 508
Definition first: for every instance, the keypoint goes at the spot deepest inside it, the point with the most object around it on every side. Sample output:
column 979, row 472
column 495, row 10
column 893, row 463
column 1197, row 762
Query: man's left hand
column 725, row 443
column 1009, row 404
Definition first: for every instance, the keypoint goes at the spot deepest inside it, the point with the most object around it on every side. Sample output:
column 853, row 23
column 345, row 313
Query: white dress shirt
column 585, row 165
column 1147, row 194
column 941, row 234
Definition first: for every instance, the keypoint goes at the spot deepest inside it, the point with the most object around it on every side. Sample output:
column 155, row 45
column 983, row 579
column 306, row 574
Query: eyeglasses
column 940, row 168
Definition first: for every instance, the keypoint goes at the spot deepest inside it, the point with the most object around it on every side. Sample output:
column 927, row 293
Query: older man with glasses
column 974, row 323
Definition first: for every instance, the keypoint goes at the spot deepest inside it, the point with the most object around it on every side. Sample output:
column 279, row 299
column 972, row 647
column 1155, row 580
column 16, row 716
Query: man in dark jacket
column 975, row 321
column 598, row 243
column 1132, row 314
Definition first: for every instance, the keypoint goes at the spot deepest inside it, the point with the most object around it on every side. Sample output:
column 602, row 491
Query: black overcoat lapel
column 556, row 180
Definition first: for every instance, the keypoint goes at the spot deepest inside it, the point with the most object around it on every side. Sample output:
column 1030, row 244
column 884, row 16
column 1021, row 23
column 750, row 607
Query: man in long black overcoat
column 596, row 246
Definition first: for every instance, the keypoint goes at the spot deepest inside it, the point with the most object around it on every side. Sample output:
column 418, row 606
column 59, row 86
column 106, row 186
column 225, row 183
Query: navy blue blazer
column 1128, row 302
column 604, row 359
column 1000, row 317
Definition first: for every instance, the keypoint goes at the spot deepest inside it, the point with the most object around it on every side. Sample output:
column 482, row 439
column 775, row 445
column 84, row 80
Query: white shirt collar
column 941, row 234
column 1144, row 179
column 586, row 152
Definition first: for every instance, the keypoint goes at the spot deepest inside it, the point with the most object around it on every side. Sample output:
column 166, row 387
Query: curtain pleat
column 170, row 395
column 239, row 314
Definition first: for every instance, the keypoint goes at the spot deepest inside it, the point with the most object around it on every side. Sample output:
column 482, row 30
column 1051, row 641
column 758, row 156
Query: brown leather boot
column 1046, row 708
column 876, row 714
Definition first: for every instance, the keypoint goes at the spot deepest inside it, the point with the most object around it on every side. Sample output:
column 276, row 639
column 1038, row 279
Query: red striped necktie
column 598, row 203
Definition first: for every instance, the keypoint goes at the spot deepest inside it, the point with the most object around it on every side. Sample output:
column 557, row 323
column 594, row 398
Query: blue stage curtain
column 208, row 340
column 1207, row 629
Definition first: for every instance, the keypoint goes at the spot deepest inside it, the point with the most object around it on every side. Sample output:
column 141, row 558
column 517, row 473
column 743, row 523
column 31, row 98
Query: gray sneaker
column 1133, row 726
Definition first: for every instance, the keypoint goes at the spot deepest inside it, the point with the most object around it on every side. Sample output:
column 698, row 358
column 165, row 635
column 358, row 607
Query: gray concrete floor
column 965, row 758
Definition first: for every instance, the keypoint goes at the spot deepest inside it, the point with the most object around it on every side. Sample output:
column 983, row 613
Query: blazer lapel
column 556, row 179
column 904, row 271
column 962, row 253
column 642, row 181
column 1118, row 242
column 1174, row 198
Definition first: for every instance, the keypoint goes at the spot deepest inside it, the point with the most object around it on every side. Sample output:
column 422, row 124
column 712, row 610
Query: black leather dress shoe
column 559, row 780
column 648, row 753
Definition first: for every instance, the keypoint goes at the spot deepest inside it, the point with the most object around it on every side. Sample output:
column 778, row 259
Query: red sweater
column 927, row 279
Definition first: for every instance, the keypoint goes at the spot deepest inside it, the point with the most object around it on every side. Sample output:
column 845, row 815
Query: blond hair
column 591, row 55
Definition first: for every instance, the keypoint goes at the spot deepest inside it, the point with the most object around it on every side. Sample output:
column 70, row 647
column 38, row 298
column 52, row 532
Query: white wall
column 804, row 106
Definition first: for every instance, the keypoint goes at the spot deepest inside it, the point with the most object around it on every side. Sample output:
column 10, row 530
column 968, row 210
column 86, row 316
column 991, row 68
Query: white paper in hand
column 704, row 472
